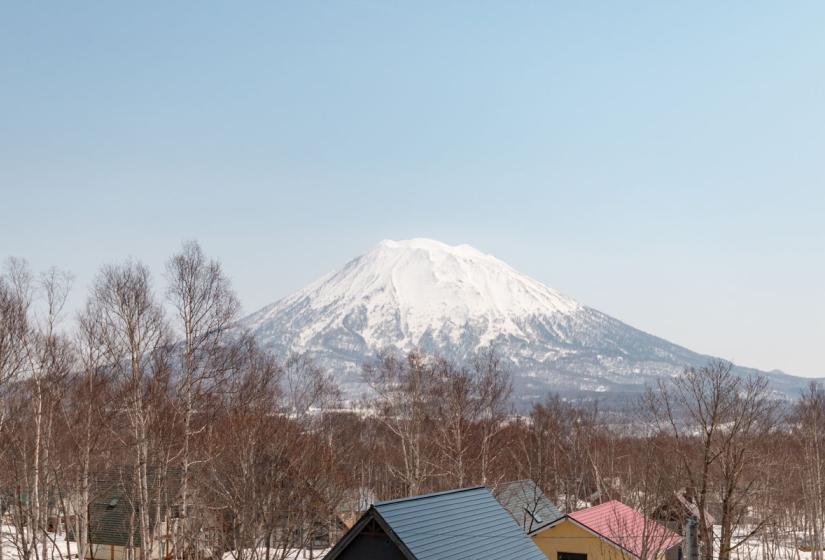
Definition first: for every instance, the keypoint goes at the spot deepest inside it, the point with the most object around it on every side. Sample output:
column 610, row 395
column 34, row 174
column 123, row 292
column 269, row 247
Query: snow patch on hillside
column 421, row 286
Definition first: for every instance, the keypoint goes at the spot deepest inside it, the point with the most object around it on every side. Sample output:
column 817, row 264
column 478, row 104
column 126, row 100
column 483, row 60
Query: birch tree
column 404, row 390
column 13, row 331
column 86, row 414
column 133, row 333
column 205, row 306
column 46, row 361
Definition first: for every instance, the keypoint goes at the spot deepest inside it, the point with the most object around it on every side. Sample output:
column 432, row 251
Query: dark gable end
column 369, row 538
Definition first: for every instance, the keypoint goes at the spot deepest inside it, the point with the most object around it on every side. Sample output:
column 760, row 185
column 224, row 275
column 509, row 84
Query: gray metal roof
column 528, row 505
column 464, row 524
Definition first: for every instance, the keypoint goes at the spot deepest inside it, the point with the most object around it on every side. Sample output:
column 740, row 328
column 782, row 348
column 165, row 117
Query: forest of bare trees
column 234, row 451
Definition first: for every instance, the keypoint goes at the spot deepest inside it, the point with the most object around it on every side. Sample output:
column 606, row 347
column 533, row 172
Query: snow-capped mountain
column 453, row 300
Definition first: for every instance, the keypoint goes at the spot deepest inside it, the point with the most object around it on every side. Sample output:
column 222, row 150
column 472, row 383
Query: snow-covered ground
column 291, row 555
column 58, row 549
column 755, row 549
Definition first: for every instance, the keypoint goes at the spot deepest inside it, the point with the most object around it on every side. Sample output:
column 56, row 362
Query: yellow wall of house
column 567, row 537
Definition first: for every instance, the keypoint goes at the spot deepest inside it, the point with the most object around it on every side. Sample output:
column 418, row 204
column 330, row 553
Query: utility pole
column 691, row 542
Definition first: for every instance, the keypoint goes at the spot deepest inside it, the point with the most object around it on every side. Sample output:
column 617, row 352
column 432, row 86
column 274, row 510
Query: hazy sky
column 663, row 162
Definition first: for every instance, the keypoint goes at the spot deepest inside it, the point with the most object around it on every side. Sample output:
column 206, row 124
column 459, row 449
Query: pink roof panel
column 627, row 528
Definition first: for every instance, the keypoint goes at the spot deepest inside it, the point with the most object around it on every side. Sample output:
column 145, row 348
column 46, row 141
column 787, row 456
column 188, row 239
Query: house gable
column 567, row 536
column 369, row 538
column 113, row 515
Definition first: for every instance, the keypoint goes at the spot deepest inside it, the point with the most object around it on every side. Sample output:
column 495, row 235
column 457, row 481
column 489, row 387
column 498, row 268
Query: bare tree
column 470, row 407
column 404, row 390
column 14, row 329
column 306, row 385
column 717, row 420
column 47, row 360
column 456, row 408
column 644, row 481
column 13, row 326
column 244, row 474
column 133, row 334
column 556, row 446
column 808, row 419
column 86, row 416
column 494, row 386
column 205, row 306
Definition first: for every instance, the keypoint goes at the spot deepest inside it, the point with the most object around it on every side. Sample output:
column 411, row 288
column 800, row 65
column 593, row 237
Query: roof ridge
column 607, row 503
column 430, row 495
column 520, row 480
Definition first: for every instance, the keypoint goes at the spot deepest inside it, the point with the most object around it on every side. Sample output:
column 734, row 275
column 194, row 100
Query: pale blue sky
column 663, row 162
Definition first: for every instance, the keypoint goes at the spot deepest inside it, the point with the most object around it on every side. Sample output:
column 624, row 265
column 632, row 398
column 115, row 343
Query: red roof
column 627, row 528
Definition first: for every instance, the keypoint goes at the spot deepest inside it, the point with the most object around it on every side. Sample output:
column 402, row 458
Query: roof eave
column 553, row 523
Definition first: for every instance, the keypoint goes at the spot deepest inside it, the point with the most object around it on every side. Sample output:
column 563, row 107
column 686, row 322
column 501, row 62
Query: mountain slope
column 452, row 300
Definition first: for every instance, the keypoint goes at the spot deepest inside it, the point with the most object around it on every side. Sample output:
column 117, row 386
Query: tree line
column 243, row 453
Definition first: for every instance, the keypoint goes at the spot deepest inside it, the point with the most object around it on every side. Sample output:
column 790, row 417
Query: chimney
column 691, row 541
